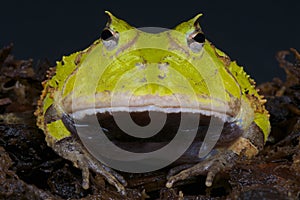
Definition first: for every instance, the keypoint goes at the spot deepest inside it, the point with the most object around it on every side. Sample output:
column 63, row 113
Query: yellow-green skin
column 237, row 92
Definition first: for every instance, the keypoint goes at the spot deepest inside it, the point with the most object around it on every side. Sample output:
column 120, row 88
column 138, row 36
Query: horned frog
column 173, row 71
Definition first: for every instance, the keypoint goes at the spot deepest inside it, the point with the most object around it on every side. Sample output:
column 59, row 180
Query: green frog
column 169, row 71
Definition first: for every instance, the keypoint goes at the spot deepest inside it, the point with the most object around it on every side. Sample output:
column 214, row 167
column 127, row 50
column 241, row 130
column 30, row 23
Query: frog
column 235, row 102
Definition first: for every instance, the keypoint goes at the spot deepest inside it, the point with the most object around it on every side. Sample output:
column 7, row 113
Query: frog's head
column 142, row 71
column 171, row 71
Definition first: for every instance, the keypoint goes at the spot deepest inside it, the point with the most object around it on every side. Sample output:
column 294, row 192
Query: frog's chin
column 80, row 114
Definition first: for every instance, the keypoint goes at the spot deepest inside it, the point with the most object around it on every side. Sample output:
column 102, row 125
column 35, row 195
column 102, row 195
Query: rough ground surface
column 31, row 170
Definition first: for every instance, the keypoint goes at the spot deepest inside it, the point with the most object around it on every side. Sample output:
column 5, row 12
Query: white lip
column 92, row 111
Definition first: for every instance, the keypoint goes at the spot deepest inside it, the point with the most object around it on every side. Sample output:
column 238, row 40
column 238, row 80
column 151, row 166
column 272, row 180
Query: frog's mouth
column 141, row 117
column 83, row 116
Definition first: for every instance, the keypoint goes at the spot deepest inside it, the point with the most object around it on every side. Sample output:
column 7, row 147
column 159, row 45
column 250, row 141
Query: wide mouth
column 106, row 121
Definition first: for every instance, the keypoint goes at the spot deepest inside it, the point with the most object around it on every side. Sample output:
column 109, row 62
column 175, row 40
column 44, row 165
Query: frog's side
column 60, row 99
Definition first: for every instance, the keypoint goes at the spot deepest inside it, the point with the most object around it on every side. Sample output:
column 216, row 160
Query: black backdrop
column 250, row 32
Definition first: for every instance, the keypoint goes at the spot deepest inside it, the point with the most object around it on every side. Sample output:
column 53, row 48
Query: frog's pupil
column 199, row 37
column 106, row 34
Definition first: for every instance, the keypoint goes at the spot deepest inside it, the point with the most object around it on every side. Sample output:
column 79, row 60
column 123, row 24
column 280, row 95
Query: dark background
column 250, row 32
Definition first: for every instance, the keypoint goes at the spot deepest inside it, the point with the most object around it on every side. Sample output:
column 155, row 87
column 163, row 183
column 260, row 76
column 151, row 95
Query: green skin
column 222, row 89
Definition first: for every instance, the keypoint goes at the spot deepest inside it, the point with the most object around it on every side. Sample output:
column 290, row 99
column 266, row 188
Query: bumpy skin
column 119, row 59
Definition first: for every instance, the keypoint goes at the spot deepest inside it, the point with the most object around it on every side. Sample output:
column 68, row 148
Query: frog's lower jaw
column 221, row 159
column 117, row 128
column 237, row 142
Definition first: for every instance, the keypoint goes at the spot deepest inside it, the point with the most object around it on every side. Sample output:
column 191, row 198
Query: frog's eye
column 109, row 38
column 106, row 34
column 195, row 41
column 199, row 37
